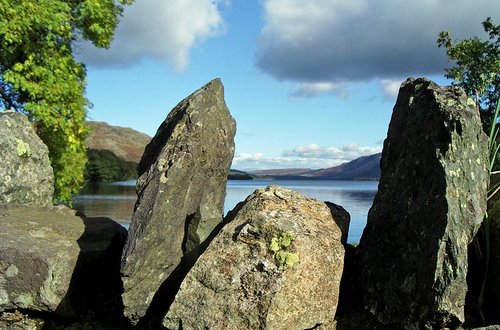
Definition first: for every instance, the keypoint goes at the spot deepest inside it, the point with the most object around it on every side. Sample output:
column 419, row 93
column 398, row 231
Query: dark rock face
column 492, row 299
column 430, row 202
column 25, row 171
column 181, row 192
column 276, row 264
column 52, row 260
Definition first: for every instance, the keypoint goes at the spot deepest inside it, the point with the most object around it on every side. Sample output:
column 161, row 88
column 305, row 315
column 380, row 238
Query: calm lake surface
column 116, row 199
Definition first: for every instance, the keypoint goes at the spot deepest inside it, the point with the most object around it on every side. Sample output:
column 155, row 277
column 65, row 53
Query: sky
column 311, row 84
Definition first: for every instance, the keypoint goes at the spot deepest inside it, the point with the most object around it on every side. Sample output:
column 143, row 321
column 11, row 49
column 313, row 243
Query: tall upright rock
column 430, row 202
column 276, row 264
column 25, row 170
column 181, row 191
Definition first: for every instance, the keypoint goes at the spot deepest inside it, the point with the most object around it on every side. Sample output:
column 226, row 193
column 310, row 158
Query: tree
column 40, row 77
column 105, row 166
column 477, row 68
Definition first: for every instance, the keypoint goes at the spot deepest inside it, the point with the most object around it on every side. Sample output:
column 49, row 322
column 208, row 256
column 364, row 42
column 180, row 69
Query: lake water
column 116, row 199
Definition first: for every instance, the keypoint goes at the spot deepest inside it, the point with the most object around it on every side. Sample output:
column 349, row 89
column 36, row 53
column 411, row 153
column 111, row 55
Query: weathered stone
column 181, row 191
column 489, row 327
column 276, row 264
column 430, row 202
column 27, row 176
column 492, row 299
column 52, row 260
column 342, row 219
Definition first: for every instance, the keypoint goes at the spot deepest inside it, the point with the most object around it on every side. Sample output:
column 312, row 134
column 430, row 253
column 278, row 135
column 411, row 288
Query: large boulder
column 181, row 191
column 430, row 202
column 27, row 176
column 53, row 260
column 276, row 264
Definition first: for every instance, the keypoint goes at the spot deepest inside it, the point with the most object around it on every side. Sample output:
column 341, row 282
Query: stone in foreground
column 25, row 171
column 181, row 191
column 52, row 260
column 276, row 264
column 430, row 202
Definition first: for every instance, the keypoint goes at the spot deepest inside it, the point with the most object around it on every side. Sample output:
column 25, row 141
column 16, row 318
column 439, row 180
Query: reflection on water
column 116, row 200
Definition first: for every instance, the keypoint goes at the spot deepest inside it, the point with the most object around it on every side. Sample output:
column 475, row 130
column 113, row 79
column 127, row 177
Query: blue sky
column 310, row 83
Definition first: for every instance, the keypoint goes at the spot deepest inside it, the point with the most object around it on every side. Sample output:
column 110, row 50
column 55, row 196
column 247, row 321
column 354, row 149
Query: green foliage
column 477, row 67
column 279, row 245
column 40, row 77
column 105, row 166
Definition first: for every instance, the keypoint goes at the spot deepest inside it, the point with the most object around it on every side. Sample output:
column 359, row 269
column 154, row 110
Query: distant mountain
column 114, row 153
column 284, row 171
column 363, row 168
column 239, row 175
column 124, row 142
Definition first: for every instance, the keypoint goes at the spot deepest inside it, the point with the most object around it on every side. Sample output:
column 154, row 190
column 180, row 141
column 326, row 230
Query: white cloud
column 319, row 88
column 307, row 156
column 158, row 29
column 346, row 41
column 390, row 87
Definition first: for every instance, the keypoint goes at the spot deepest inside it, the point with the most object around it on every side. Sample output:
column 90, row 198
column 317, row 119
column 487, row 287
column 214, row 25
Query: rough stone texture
column 430, row 202
column 52, row 260
column 181, row 191
column 342, row 219
column 237, row 282
column 492, row 302
column 25, row 170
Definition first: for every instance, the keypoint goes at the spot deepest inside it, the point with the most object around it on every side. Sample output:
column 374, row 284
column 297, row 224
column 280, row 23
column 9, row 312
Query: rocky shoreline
column 279, row 260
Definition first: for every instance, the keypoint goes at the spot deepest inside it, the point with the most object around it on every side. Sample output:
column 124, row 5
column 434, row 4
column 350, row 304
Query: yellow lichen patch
column 22, row 148
column 279, row 245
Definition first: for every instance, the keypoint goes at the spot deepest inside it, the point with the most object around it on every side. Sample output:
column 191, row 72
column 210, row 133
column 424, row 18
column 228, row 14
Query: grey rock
column 181, row 191
column 25, row 169
column 276, row 264
column 52, row 260
column 430, row 203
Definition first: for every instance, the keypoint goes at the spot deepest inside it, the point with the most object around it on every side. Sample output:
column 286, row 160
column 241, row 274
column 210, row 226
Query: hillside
column 124, row 142
column 109, row 144
column 281, row 171
column 362, row 168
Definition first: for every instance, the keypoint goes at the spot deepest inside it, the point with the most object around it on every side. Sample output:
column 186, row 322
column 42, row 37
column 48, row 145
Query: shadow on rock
column 93, row 299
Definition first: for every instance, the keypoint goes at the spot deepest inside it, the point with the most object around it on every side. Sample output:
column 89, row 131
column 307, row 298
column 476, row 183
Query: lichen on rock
column 280, row 246
column 181, row 191
column 251, row 276
column 430, row 203
column 27, row 176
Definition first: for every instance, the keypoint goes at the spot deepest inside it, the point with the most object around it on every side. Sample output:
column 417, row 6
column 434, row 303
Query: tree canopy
column 476, row 67
column 40, row 77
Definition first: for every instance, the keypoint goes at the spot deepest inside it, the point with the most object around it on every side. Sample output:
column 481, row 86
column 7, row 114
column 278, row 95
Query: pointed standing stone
column 181, row 191
column 430, row 202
